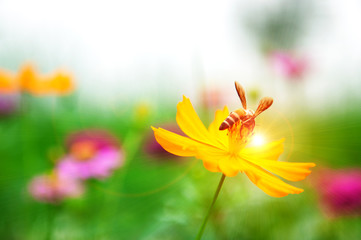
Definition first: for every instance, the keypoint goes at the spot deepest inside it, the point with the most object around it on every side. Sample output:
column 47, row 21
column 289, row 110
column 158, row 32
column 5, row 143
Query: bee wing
column 241, row 94
column 264, row 104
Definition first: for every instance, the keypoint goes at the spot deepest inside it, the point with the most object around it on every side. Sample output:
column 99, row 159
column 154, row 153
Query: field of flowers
column 238, row 161
column 138, row 191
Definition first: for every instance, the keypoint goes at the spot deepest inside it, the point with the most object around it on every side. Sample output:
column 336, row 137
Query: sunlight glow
column 258, row 140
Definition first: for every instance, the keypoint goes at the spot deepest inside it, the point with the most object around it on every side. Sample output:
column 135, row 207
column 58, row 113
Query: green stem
column 201, row 230
column 52, row 214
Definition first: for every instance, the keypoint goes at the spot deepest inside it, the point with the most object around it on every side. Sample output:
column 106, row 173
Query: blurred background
column 81, row 82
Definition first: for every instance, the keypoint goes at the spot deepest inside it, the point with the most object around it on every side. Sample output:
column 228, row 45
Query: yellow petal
column 184, row 146
column 212, row 167
column 288, row 170
column 216, row 160
column 267, row 182
column 174, row 143
column 192, row 126
column 269, row 151
column 229, row 167
column 213, row 129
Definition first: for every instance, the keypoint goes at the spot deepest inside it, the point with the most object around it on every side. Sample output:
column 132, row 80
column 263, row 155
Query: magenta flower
column 54, row 188
column 340, row 192
column 92, row 154
column 288, row 65
column 8, row 104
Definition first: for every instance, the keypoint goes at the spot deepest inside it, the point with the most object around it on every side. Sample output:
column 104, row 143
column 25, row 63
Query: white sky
column 144, row 49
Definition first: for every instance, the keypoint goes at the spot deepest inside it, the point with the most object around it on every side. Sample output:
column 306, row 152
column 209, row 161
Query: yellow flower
column 229, row 152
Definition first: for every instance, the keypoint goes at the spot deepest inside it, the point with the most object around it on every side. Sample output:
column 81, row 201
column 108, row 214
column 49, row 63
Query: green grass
column 161, row 198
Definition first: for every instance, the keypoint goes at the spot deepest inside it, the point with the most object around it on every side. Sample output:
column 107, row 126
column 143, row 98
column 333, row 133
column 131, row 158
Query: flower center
column 239, row 135
column 53, row 179
column 83, row 151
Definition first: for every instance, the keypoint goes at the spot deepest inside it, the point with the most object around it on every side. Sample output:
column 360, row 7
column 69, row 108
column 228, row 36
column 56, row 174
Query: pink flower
column 8, row 104
column 340, row 191
column 54, row 188
column 92, row 154
column 211, row 98
column 288, row 65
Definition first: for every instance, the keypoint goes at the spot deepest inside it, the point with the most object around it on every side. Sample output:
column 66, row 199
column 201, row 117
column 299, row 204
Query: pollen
column 83, row 151
column 238, row 136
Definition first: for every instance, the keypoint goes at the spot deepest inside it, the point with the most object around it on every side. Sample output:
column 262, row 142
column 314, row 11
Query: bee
column 244, row 115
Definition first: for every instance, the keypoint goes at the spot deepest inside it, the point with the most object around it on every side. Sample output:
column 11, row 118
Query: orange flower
column 27, row 77
column 228, row 151
column 31, row 81
column 8, row 84
column 62, row 82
